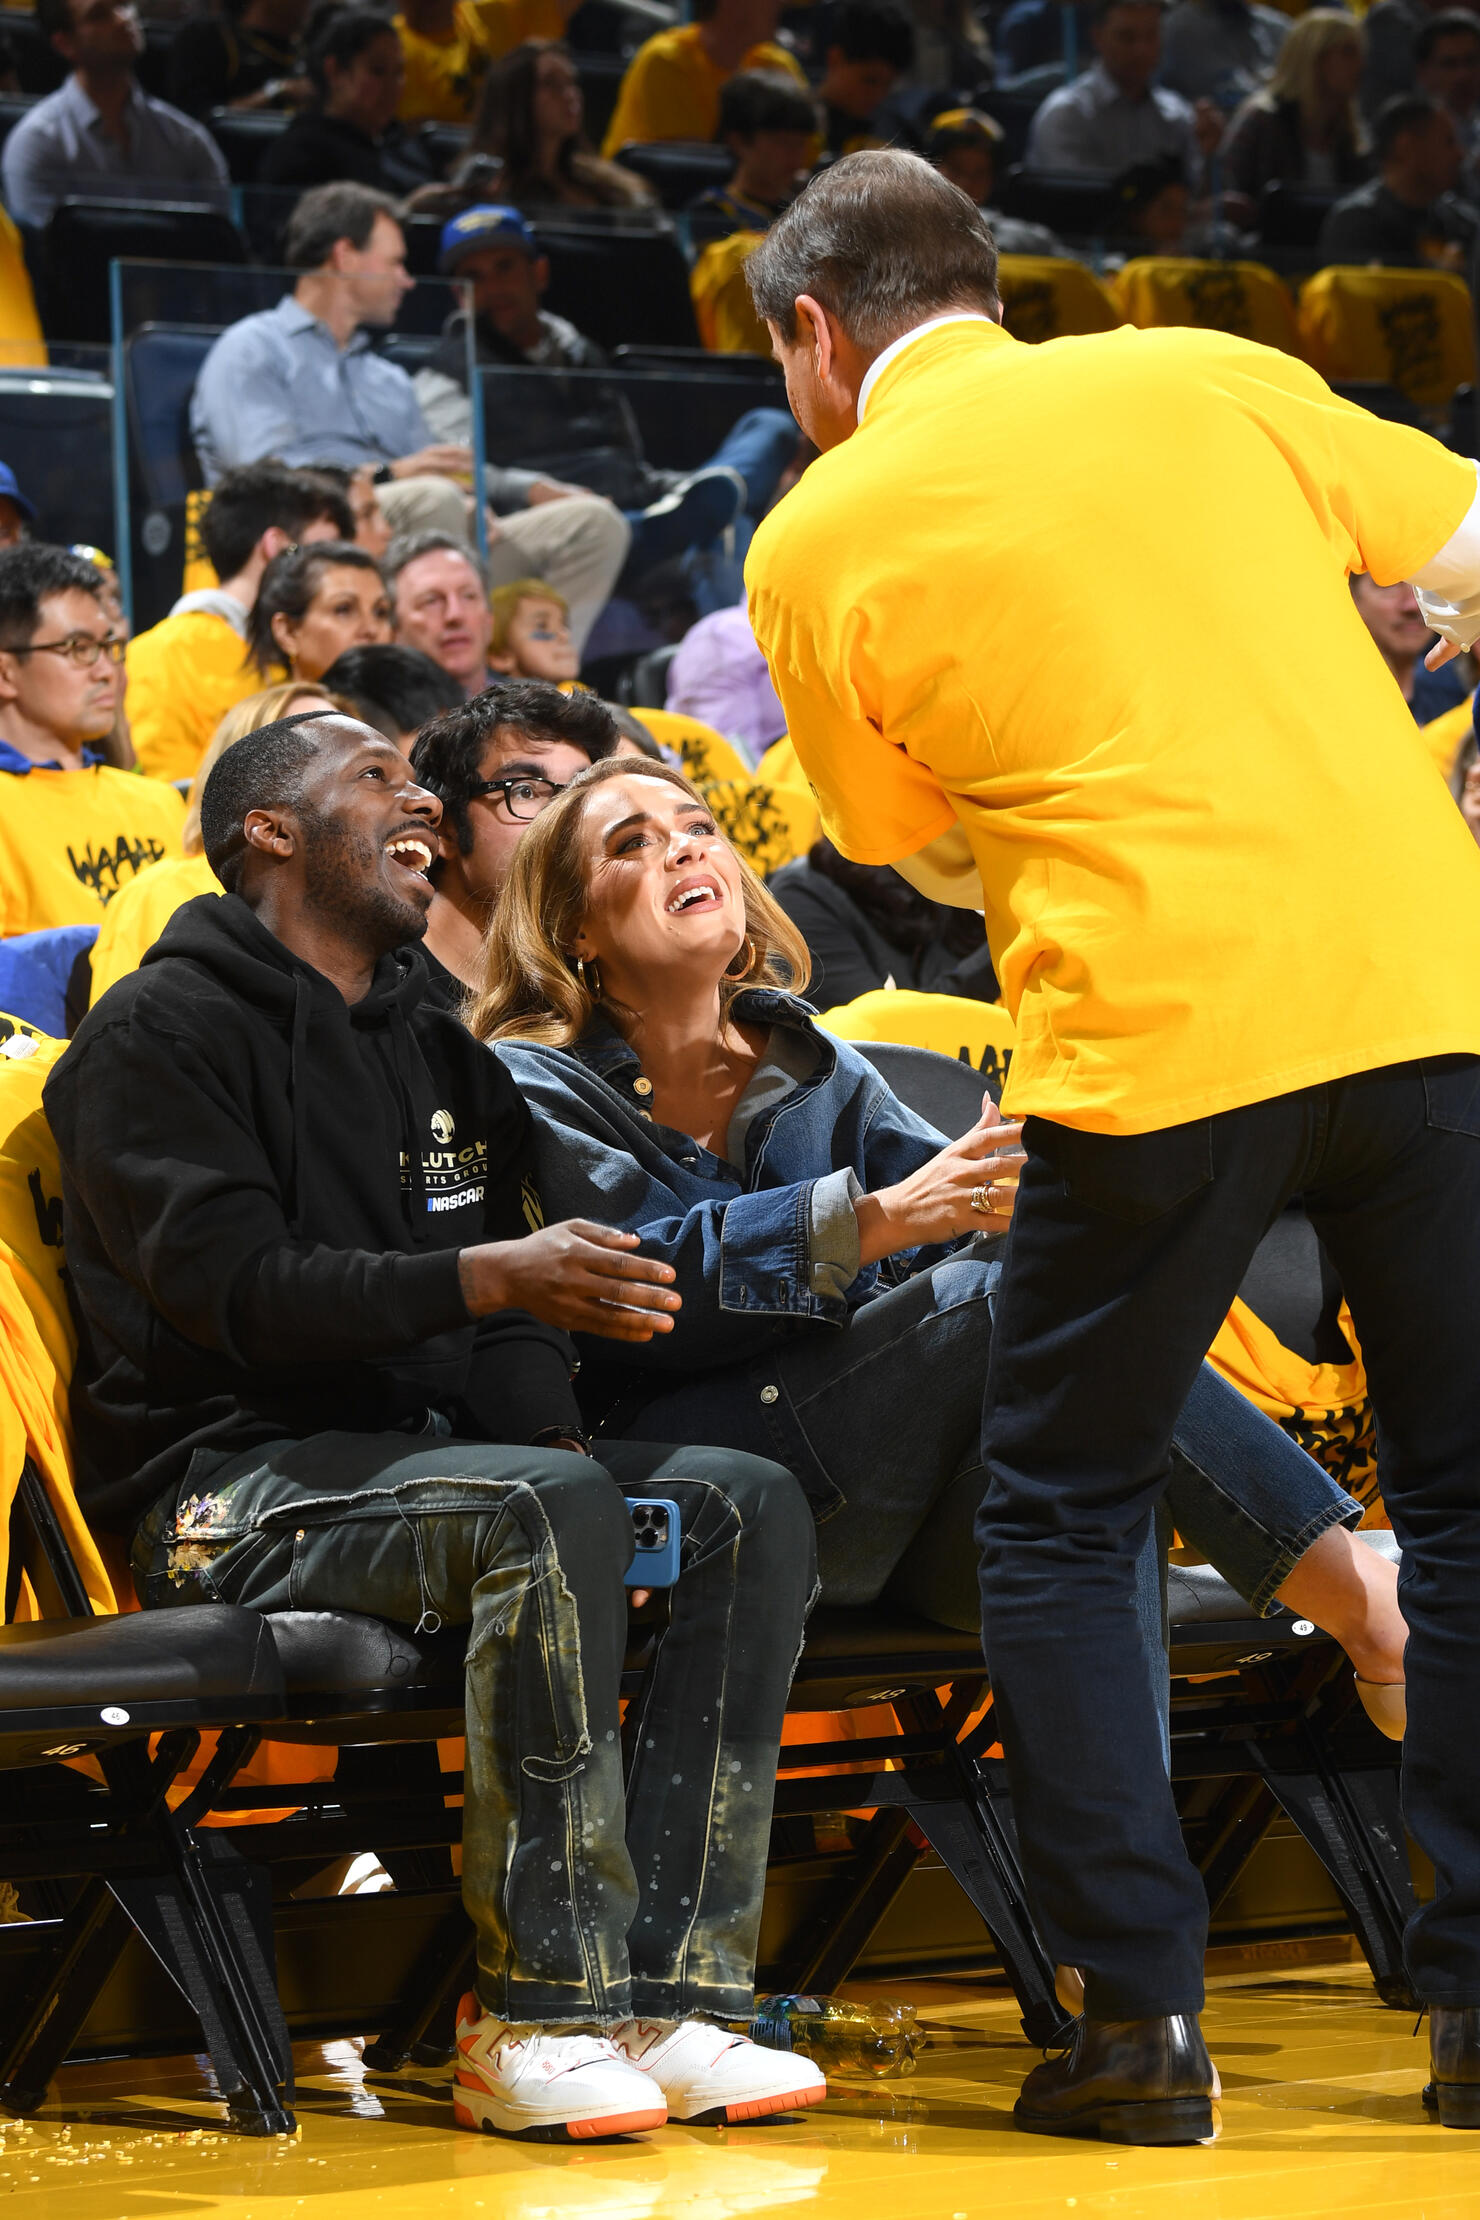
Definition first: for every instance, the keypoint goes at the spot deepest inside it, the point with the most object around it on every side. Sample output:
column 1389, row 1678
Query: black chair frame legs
column 1354, row 1823
column 204, row 1913
column 422, row 2031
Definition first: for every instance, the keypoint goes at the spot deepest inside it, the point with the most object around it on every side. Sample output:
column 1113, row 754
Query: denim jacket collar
column 611, row 1056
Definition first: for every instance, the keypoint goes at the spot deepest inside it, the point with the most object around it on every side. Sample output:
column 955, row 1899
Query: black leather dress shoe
column 1454, row 2061
column 1127, row 2081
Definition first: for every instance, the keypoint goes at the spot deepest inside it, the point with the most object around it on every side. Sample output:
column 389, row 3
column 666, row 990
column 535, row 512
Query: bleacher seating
column 56, row 431
column 621, row 284
column 244, row 136
column 1414, row 329
column 1046, row 297
column 84, row 237
column 1292, row 215
column 1239, row 297
column 1077, row 206
column 679, row 170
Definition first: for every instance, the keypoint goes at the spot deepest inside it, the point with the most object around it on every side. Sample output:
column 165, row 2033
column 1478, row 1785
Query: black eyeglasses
column 523, row 798
column 81, row 649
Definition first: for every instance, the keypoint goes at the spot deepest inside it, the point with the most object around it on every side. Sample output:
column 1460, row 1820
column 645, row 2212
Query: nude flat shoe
column 1386, row 1705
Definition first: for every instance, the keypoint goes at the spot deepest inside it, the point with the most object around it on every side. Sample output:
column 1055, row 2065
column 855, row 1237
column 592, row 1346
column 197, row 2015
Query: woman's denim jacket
column 744, row 1248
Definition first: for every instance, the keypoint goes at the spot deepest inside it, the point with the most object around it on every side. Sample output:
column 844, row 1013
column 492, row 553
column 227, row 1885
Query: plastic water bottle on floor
column 839, row 2035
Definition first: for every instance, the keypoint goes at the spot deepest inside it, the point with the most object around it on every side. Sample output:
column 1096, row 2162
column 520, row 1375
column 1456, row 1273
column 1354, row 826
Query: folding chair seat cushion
column 344, row 1665
column 74, row 1684
column 1410, row 328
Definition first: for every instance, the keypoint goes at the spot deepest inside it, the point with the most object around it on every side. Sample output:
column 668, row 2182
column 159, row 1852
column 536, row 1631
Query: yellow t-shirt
column 183, row 676
column 1446, row 734
column 672, row 88
column 442, row 75
column 139, row 913
column 1089, row 602
column 505, row 24
column 70, row 839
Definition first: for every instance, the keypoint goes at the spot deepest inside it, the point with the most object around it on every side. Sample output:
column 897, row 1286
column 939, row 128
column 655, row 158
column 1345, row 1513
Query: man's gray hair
column 883, row 241
column 412, row 545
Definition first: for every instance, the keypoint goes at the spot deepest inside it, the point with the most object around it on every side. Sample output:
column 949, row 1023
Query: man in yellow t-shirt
column 673, row 82
column 72, row 829
column 185, row 672
column 506, row 24
column 1079, row 614
column 446, row 54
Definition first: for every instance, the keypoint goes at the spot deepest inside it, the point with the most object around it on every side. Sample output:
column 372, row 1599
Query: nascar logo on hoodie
column 453, row 1177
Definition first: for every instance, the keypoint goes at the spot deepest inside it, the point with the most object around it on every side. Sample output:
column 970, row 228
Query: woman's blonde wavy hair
column 243, row 717
column 1297, row 73
column 531, row 990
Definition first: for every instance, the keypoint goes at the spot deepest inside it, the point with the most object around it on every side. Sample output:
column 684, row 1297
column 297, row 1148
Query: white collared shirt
column 907, row 339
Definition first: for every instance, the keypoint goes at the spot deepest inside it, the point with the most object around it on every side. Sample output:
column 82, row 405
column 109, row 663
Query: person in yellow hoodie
column 187, row 671
column 139, row 913
column 673, row 83
column 73, row 829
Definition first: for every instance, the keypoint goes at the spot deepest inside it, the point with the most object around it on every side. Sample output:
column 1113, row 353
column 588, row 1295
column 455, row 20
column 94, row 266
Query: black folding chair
column 679, row 170
column 141, row 1873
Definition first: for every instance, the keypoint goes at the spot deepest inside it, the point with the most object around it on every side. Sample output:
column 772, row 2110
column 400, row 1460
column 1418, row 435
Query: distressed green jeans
column 591, row 1903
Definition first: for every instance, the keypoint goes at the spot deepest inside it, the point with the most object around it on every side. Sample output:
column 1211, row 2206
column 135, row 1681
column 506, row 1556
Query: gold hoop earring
column 750, row 953
column 587, row 973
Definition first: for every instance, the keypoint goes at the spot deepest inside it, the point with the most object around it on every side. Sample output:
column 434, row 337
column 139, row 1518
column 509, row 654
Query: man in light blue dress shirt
column 303, row 382
column 102, row 136
column 1114, row 117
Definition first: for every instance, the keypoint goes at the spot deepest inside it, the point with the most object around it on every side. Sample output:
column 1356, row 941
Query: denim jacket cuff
column 834, row 1232
column 766, row 1256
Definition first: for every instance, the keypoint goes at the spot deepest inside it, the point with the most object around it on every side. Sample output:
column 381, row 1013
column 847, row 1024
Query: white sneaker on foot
column 711, row 2077
column 550, row 2088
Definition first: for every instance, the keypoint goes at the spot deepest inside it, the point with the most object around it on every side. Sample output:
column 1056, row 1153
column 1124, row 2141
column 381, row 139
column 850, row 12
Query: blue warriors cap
column 486, row 226
column 12, row 492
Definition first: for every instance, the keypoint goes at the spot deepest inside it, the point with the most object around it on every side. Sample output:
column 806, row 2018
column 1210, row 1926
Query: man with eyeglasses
column 72, row 828
column 494, row 765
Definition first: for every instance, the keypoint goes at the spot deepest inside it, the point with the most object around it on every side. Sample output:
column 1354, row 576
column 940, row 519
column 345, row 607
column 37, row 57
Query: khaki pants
column 578, row 546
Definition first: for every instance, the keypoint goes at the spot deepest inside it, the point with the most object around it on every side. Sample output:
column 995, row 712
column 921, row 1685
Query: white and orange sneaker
column 712, row 2078
column 546, row 2087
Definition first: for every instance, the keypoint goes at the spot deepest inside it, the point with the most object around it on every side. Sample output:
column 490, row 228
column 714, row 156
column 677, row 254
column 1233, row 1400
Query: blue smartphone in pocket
column 657, row 1525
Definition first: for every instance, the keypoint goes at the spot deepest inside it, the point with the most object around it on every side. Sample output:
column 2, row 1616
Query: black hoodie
column 265, row 1191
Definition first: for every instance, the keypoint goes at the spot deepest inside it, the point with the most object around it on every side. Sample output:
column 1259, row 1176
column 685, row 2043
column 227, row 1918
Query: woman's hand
column 935, row 1203
column 577, row 1275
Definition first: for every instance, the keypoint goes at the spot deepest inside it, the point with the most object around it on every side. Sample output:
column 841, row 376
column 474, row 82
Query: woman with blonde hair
column 1304, row 126
column 834, row 1253
column 144, row 905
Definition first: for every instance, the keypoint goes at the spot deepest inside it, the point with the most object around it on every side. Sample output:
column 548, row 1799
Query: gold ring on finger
column 981, row 1201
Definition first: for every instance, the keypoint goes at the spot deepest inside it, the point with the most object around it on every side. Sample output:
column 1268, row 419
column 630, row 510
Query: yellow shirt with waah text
column 442, row 75
column 1088, row 602
column 184, row 673
column 70, row 839
column 672, row 88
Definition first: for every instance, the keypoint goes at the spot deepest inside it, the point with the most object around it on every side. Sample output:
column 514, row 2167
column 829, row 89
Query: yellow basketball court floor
column 1321, row 2116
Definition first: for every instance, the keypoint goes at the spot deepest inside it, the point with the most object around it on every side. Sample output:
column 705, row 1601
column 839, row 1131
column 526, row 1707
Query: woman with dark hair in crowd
column 314, row 603
column 349, row 130
column 865, row 927
column 531, row 120
column 826, row 1241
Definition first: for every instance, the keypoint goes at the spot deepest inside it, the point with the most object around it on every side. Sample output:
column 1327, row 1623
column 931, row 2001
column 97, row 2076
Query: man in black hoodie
column 323, row 1363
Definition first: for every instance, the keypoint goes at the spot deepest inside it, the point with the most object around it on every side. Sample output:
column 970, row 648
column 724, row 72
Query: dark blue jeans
column 587, row 1905
column 1124, row 1255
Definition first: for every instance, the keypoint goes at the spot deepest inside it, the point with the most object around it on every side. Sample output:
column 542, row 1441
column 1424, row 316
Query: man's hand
column 576, row 1275
column 1442, row 652
column 934, row 1203
column 553, row 489
column 441, row 461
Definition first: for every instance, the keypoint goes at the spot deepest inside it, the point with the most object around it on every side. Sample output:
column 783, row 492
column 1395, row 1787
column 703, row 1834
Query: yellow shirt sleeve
column 1389, row 497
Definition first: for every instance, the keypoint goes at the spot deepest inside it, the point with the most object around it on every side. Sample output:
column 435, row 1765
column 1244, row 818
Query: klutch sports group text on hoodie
column 265, row 1191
